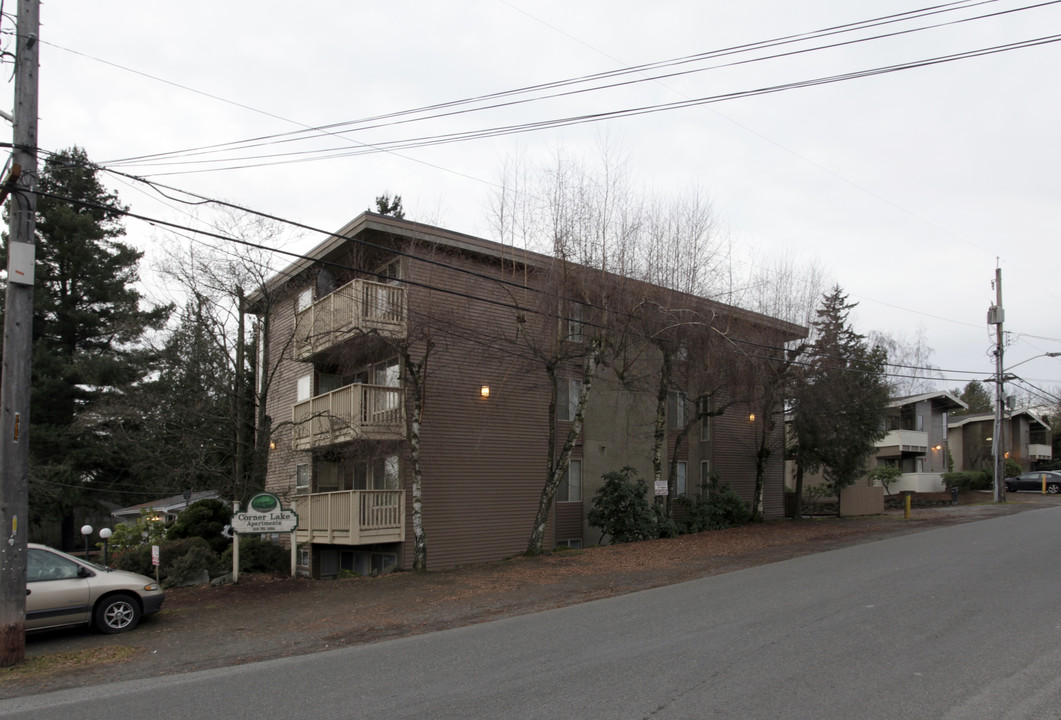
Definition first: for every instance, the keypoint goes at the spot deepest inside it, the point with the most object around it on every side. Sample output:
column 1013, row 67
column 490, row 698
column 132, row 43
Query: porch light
column 751, row 418
column 272, row 445
column 484, row 391
column 938, row 447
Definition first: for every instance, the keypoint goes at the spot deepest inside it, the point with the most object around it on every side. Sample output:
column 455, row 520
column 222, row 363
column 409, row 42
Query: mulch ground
column 266, row 617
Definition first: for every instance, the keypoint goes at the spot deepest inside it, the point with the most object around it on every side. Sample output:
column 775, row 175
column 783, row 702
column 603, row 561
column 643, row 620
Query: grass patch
column 70, row 661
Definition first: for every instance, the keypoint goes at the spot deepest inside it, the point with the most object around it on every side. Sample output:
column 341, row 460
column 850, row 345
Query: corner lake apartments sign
column 264, row 514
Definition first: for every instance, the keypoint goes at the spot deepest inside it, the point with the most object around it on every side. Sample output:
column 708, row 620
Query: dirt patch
column 264, row 617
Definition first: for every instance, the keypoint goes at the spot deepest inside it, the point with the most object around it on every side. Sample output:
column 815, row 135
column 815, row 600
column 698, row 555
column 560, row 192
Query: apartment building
column 389, row 316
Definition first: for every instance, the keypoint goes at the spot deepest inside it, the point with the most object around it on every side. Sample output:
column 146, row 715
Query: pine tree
column 839, row 404
column 88, row 327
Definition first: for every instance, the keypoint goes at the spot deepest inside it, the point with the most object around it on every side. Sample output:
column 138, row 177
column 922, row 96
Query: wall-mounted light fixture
column 484, row 391
column 751, row 417
column 937, row 447
column 272, row 446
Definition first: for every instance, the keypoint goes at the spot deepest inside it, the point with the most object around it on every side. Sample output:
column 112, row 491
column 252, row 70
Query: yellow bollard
column 906, row 514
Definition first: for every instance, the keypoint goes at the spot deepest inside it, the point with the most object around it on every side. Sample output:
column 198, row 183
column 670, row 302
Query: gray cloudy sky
column 907, row 187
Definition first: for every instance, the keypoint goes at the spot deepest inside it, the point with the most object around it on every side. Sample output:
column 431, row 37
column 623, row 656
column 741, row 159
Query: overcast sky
column 908, row 188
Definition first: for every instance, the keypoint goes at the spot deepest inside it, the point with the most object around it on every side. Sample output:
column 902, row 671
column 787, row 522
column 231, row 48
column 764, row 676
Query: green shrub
column 885, row 475
column 145, row 530
column 203, row 519
column 719, row 507
column 186, row 560
column 178, row 560
column 968, row 480
column 1012, row 468
column 260, row 556
column 621, row 509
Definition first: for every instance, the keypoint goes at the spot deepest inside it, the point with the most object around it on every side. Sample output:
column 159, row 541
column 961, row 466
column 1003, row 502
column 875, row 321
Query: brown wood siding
column 280, row 473
column 734, row 450
column 568, row 521
column 483, row 459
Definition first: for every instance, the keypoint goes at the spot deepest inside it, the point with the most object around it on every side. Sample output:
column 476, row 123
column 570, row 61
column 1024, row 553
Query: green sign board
column 265, row 514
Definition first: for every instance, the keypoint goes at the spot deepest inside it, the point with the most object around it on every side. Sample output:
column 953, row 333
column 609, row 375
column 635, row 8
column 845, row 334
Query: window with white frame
column 304, row 388
column 302, row 478
column 567, row 392
column 570, row 488
column 681, row 481
column 305, row 299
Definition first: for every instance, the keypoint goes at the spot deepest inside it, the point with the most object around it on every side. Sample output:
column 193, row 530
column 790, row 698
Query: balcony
column 354, row 412
column 351, row 517
column 897, row 442
column 1038, row 451
column 360, row 307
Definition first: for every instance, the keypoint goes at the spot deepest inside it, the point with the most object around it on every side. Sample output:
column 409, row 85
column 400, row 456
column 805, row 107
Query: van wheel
column 117, row 613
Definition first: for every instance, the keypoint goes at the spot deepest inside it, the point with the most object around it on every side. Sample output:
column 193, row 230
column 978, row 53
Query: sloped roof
column 981, row 417
column 176, row 502
column 949, row 401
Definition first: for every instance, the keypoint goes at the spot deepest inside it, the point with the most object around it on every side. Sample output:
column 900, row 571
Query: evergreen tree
column 839, row 403
column 88, row 327
column 976, row 396
column 386, row 206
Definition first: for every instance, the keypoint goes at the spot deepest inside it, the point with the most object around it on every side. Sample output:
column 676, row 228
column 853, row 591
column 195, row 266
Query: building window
column 920, row 423
column 302, row 476
column 681, row 480
column 676, row 409
column 705, row 422
column 303, row 557
column 945, row 420
column 574, row 322
column 570, row 488
column 567, row 393
column 305, row 299
column 328, row 476
column 705, row 475
column 304, row 388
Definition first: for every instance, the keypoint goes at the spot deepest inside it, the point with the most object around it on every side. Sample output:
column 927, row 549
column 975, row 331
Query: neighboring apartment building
column 341, row 398
column 919, row 441
column 1026, row 440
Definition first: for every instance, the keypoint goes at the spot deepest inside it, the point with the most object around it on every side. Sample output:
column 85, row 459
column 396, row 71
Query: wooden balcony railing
column 353, row 412
column 357, row 308
column 351, row 517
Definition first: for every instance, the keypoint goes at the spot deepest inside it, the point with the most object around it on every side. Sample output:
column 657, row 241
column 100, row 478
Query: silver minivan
column 64, row 590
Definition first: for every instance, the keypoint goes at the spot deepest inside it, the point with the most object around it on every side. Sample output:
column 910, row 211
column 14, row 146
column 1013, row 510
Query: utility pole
column 18, row 338
column 995, row 316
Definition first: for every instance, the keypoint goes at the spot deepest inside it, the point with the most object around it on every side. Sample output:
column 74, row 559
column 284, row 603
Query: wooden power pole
column 996, row 316
column 18, row 338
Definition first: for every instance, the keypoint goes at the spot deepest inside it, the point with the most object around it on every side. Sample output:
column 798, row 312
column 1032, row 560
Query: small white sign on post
column 661, row 488
column 155, row 560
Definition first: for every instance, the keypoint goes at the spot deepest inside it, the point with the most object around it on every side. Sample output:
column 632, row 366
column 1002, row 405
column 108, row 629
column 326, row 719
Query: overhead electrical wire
column 514, row 306
column 335, row 128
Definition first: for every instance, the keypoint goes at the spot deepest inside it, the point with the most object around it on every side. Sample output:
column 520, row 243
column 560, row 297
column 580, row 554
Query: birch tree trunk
column 556, row 472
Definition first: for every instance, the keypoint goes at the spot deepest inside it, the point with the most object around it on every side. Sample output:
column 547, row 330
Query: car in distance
column 1034, row 481
column 64, row 590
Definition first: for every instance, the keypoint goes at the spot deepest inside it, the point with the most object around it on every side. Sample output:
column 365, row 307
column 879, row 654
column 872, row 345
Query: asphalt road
column 959, row 622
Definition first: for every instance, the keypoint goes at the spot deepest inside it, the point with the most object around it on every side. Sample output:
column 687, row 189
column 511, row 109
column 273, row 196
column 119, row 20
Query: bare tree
column 910, row 369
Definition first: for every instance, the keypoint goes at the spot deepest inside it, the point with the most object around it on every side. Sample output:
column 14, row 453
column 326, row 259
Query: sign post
column 264, row 515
